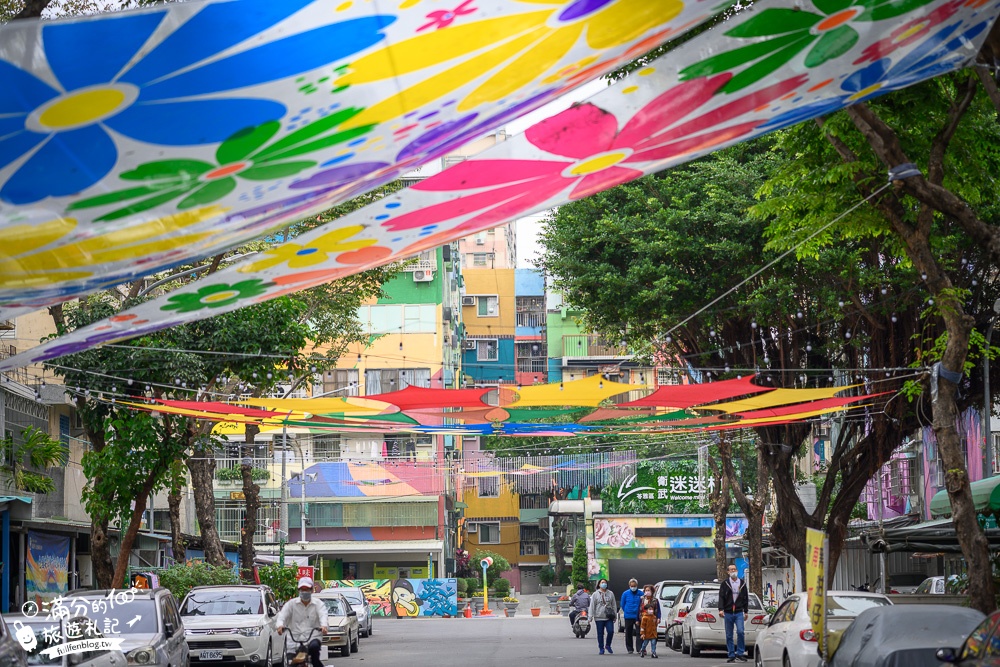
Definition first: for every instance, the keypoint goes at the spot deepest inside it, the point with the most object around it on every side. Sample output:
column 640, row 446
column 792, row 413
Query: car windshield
column 334, row 607
column 851, row 605
column 222, row 603
column 669, row 591
column 692, row 593
column 710, row 600
column 353, row 596
column 137, row 617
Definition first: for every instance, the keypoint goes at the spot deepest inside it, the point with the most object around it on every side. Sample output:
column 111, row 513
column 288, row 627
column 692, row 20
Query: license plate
column 211, row 655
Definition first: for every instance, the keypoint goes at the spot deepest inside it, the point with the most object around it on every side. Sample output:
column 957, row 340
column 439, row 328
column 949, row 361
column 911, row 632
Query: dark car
column 903, row 635
column 980, row 649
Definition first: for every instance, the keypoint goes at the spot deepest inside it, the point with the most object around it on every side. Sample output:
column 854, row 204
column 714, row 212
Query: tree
column 35, row 450
column 718, row 504
column 499, row 566
column 645, row 258
column 753, row 506
column 580, row 576
column 944, row 218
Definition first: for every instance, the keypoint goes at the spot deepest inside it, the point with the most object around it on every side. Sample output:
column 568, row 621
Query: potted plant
column 563, row 605
column 510, row 604
column 536, row 611
column 477, row 601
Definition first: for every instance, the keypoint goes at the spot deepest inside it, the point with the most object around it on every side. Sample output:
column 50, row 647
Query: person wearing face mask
column 301, row 615
column 649, row 618
column 734, row 606
column 604, row 611
column 630, row 614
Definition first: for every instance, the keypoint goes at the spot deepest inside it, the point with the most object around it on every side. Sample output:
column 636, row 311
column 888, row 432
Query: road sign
column 237, row 495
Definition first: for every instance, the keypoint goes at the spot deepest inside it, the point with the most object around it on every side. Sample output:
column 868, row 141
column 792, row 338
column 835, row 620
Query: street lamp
column 987, row 399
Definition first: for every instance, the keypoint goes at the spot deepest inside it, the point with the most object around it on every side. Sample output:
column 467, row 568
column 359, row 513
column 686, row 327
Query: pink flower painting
column 614, row 534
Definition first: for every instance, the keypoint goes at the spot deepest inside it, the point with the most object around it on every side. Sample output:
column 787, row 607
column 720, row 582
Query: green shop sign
column 662, row 487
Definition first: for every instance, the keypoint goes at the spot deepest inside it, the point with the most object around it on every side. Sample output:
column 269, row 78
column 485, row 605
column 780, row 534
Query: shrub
column 564, row 576
column 461, row 586
column 500, row 564
column 472, row 584
column 546, row 576
column 180, row 579
column 235, row 474
column 282, row 580
column 580, row 564
column 501, row 586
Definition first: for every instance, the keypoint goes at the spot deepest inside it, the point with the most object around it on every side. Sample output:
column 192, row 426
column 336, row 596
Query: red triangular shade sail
column 688, row 395
column 422, row 398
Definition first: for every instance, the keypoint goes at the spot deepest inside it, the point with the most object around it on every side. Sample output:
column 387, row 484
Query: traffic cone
column 468, row 611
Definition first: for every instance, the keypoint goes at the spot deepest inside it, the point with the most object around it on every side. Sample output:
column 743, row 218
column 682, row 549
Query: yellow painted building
column 494, row 312
column 492, row 519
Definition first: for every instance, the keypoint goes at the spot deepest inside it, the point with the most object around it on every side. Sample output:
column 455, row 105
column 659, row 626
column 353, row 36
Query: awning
column 985, row 495
column 937, row 536
column 19, row 507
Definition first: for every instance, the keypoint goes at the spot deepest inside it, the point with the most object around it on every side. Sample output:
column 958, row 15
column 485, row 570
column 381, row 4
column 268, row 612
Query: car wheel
column 355, row 643
column 695, row 651
column 785, row 661
column 267, row 660
column 675, row 640
column 685, row 649
column 757, row 660
column 345, row 650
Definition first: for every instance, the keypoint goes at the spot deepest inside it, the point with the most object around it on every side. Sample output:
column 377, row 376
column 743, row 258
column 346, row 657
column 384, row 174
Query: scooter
column 297, row 649
column 581, row 626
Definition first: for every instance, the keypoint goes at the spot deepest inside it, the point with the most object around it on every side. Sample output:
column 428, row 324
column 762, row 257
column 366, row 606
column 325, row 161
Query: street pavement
column 498, row 642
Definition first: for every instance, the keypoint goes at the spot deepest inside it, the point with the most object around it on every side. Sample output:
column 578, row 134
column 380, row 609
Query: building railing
column 532, row 365
column 230, row 515
column 19, row 375
column 584, row 345
column 531, row 319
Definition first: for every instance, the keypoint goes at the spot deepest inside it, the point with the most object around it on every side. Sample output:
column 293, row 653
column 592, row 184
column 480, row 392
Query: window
column 489, row 533
column 975, row 645
column 341, row 382
column 384, row 380
column 488, row 306
column 487, row 350
column 489, row 487
column 481, row 259
column 394, row 318
column 665, row 377
column 326, row 447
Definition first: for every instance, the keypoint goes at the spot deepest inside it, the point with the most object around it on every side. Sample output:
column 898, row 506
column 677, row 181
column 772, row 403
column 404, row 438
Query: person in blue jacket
column 631, row 599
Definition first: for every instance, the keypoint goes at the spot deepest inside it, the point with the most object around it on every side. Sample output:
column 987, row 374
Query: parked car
column 704, row 628
column 232, row 624
column 788, row 638
column 11, row 653
column 980, row 649
column 359, row 603
column 150, row 625
column 665, row 592
column 907, row 635
column 905, row 582
column 934, row 585
column 679, row 609
column 53, row 632
column 342, row 629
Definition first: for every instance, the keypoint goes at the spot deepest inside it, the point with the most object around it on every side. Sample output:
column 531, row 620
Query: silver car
column 50, row 633
column 704, row 628
column 342, row 623
column 149, row 624
column 359, row 603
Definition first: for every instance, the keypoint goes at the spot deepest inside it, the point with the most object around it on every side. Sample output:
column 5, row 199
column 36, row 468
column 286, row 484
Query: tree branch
column 939, row 146
column 990, row 86
column 32, row 9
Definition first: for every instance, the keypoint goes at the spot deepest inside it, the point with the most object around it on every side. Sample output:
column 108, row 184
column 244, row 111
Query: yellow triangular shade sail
column 775, row 398
column 588, row 392
column 235, row 428
column 798, row 416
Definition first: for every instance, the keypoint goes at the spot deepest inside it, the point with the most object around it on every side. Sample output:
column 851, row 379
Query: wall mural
column 400, row 598
column 193, row 127
column 766, row 68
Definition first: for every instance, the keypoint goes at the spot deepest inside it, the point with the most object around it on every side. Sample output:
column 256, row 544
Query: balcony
column 582, row 345
column 532, row 365
column 227, row 472
column 229, row 516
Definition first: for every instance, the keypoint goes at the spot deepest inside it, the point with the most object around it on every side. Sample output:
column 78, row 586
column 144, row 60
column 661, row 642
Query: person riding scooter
column 579, row 602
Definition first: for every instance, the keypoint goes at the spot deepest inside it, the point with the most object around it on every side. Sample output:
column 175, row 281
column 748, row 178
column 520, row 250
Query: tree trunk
column 202, row 468
column 718, row 503
column 753, row 508
column 251, row 495
column 129, row 535
column 177, row 543
column 559, row 547
column 100, row 554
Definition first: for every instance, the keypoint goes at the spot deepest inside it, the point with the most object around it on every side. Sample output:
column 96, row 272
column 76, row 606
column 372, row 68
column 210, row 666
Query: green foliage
column 564, row 576
column 501, row 586
column 472, row 584
column 235, row 474
column 35, row 450
column 282, row 580
column 461, row 586
column 500, row 564
column 580, row 564
column 546, row 575
column 182, row 578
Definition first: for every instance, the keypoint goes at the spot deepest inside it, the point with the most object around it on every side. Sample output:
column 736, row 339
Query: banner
column 48, row 564
column 816, row 583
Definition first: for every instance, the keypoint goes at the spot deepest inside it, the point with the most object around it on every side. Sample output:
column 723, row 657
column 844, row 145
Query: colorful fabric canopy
column 687, row 395
column 775, row 398
column 417, row 398
column 588, row 392
column 762, row 69
column 320, row 406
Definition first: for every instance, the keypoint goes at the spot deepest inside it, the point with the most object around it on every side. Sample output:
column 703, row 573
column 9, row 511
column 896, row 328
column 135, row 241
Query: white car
column 704, row 628
column 665, row 592
column 232, row 624
column 359, row 603
column 789, row 639
column 342, row 631
column 934, row 585
column 679, row 609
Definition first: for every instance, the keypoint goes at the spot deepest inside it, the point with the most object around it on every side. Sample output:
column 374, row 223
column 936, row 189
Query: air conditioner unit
column 421, row 276
column 530, row 549
column 469, row 345
column 480, row 240
column 468, row 300
column 446, row 313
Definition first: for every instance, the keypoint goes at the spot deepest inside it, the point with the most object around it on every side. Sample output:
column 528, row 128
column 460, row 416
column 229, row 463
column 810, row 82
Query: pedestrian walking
column 630, row 614
column 604, row 611
column 649, row 618
column 734, row 605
